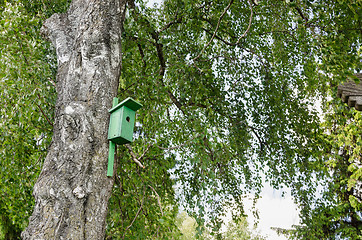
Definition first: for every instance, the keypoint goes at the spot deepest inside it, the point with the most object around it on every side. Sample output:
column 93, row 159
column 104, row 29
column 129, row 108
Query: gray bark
column 72, row 191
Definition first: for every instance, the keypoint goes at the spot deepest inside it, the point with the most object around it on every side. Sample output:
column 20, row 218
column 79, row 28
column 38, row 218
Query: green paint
column 122, row 121
column 121, row 126
column 112, row 148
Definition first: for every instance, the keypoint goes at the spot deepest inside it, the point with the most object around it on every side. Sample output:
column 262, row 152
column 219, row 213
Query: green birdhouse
column 122, row 121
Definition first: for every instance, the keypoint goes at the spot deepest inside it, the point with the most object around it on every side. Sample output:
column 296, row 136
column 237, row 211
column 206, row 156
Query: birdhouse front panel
column 127, row 124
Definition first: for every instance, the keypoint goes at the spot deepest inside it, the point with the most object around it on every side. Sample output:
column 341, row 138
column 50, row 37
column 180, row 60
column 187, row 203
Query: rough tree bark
column 72, row 191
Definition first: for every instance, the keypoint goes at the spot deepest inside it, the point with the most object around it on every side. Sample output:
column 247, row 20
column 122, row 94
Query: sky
column 274, row 209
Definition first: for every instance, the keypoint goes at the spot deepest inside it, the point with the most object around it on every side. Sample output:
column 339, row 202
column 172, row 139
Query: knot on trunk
column 79, row 192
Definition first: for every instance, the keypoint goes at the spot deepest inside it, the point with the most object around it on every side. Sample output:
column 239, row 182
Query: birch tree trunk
column 72, row 191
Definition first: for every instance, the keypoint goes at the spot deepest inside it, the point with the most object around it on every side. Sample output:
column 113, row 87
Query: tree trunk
column 72, row 191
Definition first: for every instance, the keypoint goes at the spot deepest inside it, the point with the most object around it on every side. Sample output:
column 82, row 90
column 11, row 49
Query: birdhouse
column 122, row 121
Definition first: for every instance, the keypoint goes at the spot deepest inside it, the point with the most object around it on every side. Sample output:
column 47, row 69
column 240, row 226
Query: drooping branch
column 135, row 158
column 159, row 49
column 138, row 212
column 216, row 29
column 300, row 12
column 250, row 20
column 158, row 199
column 46, row 117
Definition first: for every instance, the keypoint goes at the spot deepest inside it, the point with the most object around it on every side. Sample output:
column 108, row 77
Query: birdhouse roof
column 351, row 92
column 128, row 102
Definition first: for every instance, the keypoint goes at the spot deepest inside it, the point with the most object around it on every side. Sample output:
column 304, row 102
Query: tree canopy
column 234, row 92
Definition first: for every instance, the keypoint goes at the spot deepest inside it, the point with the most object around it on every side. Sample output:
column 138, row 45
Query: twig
column 158, row 198
column 138, row 212
column 200, row 70
column 217, row 27
column 248, row 50
column 51, row 124
column 21, row 49
column 40, row 157
column 52, row 82
column 143, row 154
column 243, row 35
column 301, row 13
column 128, row 87
column 250, row 19
column 178, row 146
column 134, row 156
column 176, row 20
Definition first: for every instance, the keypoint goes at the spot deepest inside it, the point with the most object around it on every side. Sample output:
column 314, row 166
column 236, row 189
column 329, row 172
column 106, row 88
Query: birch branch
column 217, row 28
column 178, row 146
column 158, row 198
column 138, row 212
column 250, row 20
column 134, row 156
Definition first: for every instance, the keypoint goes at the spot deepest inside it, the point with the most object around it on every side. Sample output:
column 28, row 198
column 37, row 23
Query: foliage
column 239, row 108
column 239, row 231
column 142, row 204
column 235, row 230
column 25, row 131
column 27, row 94
column 229, row 91
column 187, row 226
column 336, row 210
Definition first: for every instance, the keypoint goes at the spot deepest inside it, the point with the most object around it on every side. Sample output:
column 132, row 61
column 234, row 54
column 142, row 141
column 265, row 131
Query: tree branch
column 40, row 157
column 242, row 36
column 250, row 20
column 265, row 64
column 160, row 55
column 51, row 124
column 217, row 27
column 168, row 25
column 46, row 117
column 158, row 199
column 134, row 156
column 305, row 18
column 138, row 212
column 178, row 146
